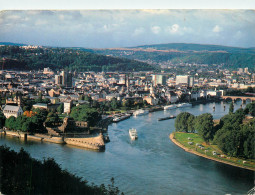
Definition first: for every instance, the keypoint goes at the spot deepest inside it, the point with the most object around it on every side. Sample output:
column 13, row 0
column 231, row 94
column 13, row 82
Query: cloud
column 138, row 31
column 40, row 22
column 156, row 29
column 173, row 29
column 217, row 28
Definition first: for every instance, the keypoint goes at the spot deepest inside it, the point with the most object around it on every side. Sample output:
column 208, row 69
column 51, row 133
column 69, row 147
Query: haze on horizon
column 126, row 28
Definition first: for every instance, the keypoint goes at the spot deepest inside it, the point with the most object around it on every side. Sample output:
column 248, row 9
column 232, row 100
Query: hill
column 179, row 53
column 34, row 58
column 197, row 47
column 10, row 43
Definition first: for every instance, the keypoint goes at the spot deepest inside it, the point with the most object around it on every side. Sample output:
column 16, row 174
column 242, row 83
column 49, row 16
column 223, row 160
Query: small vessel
column 140, row 112
column 166, row 118
column 170, row 107
column 184, row 105
column 133, row 134
column 119, row 118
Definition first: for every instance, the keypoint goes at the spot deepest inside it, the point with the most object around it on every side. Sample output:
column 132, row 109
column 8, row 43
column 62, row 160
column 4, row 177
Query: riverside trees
column 233, row 135
column 184, row 122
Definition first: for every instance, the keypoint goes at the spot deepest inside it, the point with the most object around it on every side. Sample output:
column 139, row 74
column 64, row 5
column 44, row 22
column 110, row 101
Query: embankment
column 94, row 143
column 205, row 156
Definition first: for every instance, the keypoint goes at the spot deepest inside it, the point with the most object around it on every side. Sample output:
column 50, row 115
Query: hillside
column 22, row 58
column 197, row 47
column 177, row 53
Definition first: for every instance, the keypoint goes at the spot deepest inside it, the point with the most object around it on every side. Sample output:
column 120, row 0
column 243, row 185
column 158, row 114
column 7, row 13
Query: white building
column 10, row 110
column 68, row 106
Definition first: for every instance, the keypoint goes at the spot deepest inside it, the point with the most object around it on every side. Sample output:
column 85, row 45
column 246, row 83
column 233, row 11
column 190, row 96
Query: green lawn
column 195, row 138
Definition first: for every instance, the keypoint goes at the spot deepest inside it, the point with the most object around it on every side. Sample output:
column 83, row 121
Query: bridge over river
column 243, row 98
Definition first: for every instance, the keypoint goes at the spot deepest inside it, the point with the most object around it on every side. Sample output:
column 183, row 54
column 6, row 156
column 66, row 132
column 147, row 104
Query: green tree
column 231, row 107
column 114, row 103
column 2, row 119
column 184, row 122
column 250, row 109
column 204, row 126
column 10, row 122
column 86, row 113
column 60, row 108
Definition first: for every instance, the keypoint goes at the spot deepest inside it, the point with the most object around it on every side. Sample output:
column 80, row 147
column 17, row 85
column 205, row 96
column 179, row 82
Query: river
column 150, row 165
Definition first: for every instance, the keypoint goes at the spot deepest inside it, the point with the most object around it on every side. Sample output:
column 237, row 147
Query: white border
column 124, row 4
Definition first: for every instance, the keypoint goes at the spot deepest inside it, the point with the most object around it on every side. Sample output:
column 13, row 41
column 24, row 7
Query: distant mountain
column 10, row 43
column 178, row 53
column 16, row 57
column 197, row 47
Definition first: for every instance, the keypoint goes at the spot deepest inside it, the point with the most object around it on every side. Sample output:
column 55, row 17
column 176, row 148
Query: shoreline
column 93, row 143
column 205, row 156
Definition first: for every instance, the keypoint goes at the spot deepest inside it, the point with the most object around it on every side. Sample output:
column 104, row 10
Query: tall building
column 158, row 79
column 65, row 79
column 185, row 80
column 246, row 70
column 58, row 79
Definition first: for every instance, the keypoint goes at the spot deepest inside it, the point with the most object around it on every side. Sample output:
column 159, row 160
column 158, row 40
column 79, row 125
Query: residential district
column 59, row 93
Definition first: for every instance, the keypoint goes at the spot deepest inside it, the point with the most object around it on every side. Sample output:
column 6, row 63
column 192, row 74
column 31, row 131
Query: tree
column 114, row 103
column 60, row 108
column 2, row 119
column 10, row 122
column 86, row 113
column 204, row 126
column 51, row 119
column 184, row 122
column 231, row 107
column 250, row 109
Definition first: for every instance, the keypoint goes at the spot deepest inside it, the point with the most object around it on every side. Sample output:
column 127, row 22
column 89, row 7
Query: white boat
column 184, row 105
column 133, row 134
column 170, row 107
column 119, row 118
column 140, row 112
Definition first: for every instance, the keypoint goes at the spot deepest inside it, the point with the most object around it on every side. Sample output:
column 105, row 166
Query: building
column 10, row 110
column 67, row 106
column 65, row 79
column 158, row 79
column 185, row 80
column 182, row 79
column 58, row 79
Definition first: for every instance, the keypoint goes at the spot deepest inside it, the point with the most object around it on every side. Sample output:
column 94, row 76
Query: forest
column 19, row 58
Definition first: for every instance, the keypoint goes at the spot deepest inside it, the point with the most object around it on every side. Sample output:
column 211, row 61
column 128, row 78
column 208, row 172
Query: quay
column 92, row 142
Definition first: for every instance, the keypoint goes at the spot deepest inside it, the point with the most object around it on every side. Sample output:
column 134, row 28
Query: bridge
column 243, row 98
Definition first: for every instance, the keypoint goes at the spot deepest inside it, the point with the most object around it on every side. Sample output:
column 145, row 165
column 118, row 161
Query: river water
column 150, row 165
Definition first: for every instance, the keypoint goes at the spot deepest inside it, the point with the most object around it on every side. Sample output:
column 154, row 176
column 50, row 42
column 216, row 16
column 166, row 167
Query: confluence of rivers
column 150, row 165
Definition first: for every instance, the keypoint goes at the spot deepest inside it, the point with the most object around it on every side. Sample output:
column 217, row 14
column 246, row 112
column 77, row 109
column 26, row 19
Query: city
column 173, row 118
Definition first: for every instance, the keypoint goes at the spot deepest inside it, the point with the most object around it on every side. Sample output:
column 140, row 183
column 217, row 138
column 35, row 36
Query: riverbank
column 175, row 141
column 93, row 143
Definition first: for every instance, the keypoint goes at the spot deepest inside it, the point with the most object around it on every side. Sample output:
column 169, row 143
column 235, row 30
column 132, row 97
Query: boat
column 166, row 118
column 184, row 105
column 140, row 112
column 170, row 107
column 119, row 118
column 133, row 134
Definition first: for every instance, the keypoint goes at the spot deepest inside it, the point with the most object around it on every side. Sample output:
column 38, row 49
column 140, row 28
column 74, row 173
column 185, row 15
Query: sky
column 124, row 28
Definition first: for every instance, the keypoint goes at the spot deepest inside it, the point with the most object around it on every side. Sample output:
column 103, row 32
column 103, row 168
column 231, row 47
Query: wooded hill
column 19, row 58
column 176, row 53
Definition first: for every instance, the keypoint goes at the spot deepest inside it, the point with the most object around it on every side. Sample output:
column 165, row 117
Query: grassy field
column 208, row 149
